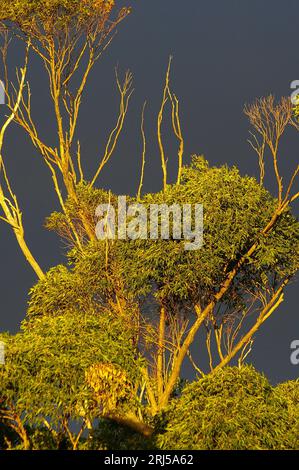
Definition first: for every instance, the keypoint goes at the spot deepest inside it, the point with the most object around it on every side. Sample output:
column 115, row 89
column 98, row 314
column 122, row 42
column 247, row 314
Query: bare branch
column 177, row 128
column 143, row 154
column 159, row 126
column 270, row 121
column 10, row 205
column 125, row 91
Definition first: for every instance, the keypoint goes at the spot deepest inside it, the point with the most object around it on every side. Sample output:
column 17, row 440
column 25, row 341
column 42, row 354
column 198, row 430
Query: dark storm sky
column 226, row 53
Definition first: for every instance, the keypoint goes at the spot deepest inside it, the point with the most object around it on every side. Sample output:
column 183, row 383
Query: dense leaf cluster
column 233, row 409
column 236, row 209
column 45, row 369
column 53, row 14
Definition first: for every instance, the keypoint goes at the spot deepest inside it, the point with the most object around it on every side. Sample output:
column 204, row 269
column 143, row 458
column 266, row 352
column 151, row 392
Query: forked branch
column 125, row 91
column 8, row 200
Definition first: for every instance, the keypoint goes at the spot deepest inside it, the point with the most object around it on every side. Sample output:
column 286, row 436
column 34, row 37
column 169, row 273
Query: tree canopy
column 54, row 14
column 100, row 354
column 52, row 369
column 136, row 277
column 236, row 210
column 235, row 409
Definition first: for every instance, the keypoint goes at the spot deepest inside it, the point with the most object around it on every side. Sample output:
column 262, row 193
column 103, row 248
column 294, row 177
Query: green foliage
column 52, row 14
column 79, row 352
column 114, row 436
column 78, row 357
column 44, row 376
column 233, row 409
column 42, row 439
column 59, row 292
column 289, row 392
column 236, row 209
column 88, row 200
column 86, row 286
column 111, row 386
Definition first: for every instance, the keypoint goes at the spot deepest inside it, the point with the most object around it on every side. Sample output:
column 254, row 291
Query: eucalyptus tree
column 223, row 292
column 174, row 301
column 69, row 37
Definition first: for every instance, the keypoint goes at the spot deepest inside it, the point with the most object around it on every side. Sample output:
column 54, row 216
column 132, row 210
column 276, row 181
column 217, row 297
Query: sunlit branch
column 10, row 206
column 266, row 312
column 159, row 125
column 143, row 154
column 177, row 128
column 125, row 91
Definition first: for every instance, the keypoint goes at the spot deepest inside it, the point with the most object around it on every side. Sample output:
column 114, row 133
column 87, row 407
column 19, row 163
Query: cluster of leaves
column 44, row 376
column 111, row 386
column 110, row 435
column 233, row 409
column 62, row 290
column 289, row 391
column 86, row 285
column 88, row 198
column 54, row 14
column 236, row 209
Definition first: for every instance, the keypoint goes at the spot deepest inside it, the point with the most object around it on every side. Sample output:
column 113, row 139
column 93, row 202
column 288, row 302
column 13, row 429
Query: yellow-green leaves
column 52, row 14
column 110, row 384
column 234, row 409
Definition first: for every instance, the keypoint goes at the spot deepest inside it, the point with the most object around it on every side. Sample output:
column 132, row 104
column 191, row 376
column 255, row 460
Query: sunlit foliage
column 235, row 409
